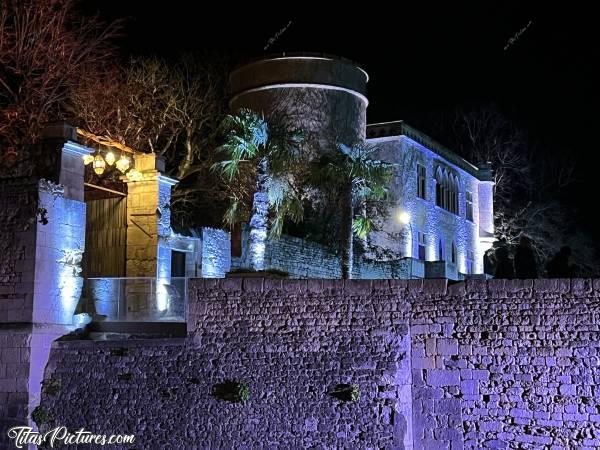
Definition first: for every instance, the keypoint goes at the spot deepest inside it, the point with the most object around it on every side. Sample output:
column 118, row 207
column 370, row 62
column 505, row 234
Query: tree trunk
column 187, row 162
column 346, row 237
column 259, row 219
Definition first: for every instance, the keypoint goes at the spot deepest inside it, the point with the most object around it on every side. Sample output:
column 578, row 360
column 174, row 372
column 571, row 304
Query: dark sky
column 421, row 59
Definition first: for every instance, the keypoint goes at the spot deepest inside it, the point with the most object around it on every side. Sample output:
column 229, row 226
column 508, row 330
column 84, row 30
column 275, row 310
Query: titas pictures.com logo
column 23, row 436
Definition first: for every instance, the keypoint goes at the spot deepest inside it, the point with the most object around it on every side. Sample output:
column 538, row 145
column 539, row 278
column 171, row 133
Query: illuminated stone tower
column 319, row 93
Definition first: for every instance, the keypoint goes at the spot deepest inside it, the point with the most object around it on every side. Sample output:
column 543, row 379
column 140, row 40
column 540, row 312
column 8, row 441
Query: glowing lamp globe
column 123, row 164
column 99, row 165
column 110, row 158
column 88, row 159
column 404, row 217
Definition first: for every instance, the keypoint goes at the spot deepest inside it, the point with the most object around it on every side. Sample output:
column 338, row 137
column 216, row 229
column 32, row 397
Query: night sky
column 422, row 60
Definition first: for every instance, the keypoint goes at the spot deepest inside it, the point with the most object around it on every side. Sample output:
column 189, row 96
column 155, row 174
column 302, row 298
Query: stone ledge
column 130, row 343
column 493, row 287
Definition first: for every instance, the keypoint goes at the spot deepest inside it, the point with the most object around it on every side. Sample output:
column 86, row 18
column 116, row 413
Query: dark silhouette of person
column 504, row 265
column 559, row 267
column 525, row 263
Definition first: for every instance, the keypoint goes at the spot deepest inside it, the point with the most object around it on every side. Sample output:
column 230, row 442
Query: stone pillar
column 486, row 215
column 148, row 230
column 43, row 238
column 216, row 253
column 148, row 218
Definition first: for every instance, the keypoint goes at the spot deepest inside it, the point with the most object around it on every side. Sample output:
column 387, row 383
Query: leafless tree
column 485, row 135
column 132, row 105
column 529, row 186
column 171, row 108
column 45, row 48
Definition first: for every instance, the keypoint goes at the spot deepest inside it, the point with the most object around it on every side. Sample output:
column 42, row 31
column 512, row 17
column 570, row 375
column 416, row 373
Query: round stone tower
column 322, row 94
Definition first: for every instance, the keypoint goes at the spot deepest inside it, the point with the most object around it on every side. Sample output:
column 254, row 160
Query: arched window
column 441, row 250
column 446, row 190
column 453, row 206
column 453, row 256
column 469, row 206
column 439, row 190
column 421, row 181
column 456, row 190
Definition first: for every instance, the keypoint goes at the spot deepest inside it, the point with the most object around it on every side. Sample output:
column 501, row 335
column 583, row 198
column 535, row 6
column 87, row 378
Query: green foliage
column 362, row 226
column 284, row 203
column 51, row 386
column 346, row 392
column 232, row 213
column 252, row 142
column 232, row 391
column 273, row 154
column 368, row 179
column 40, row 415
column 246, row 135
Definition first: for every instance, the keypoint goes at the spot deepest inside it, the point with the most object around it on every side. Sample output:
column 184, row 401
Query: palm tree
column 359, row 180
column 270, row 152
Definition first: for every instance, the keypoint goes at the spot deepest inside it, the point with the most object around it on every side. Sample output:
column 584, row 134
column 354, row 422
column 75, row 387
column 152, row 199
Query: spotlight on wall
column 404, row 217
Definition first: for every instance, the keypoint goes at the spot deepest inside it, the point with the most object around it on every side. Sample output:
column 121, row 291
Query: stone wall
column 300, row 258
column 60, row 243
column 216, row 253
column 474, row 365
column 18, row 217
column 507, row 364
column 42, row 235
column 41, row 247
column 293, row 343
column 40, row 263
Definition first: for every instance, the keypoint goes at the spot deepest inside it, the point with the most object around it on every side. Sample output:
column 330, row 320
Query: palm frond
column 290, row 207
column 362, row 226
column 231, row 216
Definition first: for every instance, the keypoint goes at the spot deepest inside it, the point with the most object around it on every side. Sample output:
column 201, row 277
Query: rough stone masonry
column 473, row 365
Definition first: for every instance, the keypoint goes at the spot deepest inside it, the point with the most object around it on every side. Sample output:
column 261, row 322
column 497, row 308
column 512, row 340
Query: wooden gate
column 105, row 237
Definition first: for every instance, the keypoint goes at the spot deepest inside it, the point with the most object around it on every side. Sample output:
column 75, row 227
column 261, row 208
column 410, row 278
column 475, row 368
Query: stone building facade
column 441, row 207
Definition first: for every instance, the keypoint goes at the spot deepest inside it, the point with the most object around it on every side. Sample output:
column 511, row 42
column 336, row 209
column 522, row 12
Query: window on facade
column 421, row 245
column 453, row 256
column 470, row 261
column 421, row 181
column 446, row 190
column 469, row 205
column 441, row 256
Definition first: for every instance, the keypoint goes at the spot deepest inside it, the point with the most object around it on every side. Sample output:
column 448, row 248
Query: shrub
column 232, row 391
column 40, row 415
column 346, row 392
column 51, row 386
